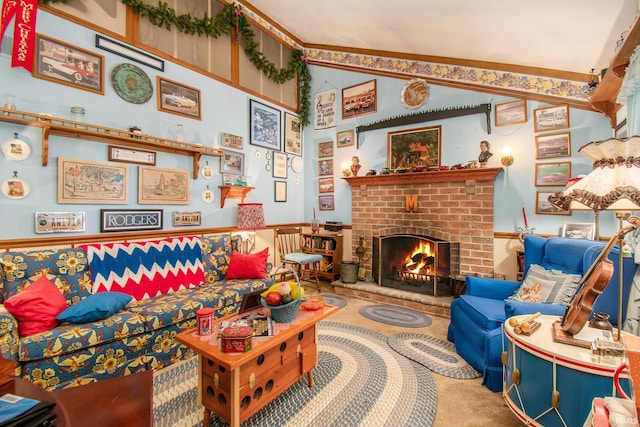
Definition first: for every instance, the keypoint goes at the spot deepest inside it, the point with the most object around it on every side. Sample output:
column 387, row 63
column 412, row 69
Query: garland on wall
column 228, row 20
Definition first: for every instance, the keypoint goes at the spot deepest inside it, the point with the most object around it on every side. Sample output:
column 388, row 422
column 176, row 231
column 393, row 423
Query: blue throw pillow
column 95, row 307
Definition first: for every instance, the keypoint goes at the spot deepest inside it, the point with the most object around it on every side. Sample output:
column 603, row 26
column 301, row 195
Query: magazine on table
column 262, row 325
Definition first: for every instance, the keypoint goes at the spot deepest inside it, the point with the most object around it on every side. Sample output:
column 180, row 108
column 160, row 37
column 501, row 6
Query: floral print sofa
column 138, row 337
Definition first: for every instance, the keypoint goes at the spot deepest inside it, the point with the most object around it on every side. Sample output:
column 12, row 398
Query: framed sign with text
column 130, row 219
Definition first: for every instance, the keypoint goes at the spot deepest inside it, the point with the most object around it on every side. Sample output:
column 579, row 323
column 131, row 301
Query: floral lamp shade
column 250, row 216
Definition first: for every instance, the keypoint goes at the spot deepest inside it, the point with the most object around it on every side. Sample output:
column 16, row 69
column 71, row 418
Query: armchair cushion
column 542, row 285
column 483, row 312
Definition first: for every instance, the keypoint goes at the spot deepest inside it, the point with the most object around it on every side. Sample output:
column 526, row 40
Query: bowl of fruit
column 283, row 299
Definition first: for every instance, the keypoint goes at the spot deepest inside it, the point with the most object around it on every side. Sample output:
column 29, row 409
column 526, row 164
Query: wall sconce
column 346, row 169
column 507, row 158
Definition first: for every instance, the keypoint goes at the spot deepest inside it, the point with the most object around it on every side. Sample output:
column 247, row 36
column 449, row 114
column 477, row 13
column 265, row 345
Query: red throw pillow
column 248, row 266
column 36, row 307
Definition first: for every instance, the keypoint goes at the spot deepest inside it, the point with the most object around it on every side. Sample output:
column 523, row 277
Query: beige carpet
column 460, row 402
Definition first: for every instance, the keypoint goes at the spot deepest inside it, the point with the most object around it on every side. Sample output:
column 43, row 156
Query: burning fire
column 421, row 260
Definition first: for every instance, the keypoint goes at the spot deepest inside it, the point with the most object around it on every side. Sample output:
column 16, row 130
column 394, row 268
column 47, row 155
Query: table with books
column 235, row 385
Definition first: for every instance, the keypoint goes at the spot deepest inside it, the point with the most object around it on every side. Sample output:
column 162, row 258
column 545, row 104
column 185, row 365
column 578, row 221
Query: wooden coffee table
column 236, row 385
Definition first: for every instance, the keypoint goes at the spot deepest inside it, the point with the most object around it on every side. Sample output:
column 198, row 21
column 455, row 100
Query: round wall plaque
column 414, row 93
column 131, row 83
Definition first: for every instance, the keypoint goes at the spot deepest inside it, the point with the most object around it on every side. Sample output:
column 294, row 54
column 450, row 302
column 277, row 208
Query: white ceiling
column 565, row 35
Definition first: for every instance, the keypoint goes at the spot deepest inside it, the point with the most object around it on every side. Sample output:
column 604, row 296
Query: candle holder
column 524, row 231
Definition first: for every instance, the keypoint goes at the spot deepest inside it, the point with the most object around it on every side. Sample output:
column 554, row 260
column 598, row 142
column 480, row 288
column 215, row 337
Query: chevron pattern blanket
column 145, row 269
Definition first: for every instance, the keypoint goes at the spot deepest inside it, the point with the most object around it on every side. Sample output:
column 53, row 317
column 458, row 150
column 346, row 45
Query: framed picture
column 543, row 207
column 228, row 179
column 325, row 149
column 345, row 138
column 292, row 135
column 130, row 155
column 129, row 52
column 579, row 230
column 81, row 181
column 186, row 218
column 552, row 174
column 232, row 141
column 551, row 118
column 59, row 222
column 325, row 167
column 130, row 220
column 264, row 125
column 280, row 191
column 280, row 169
column 414, row 148
column 68, row 65
column 232, row 162
column 511, row 113
column 326, row 203
column 162, row 186
column 553, row 145
column 325, row 184
column 359, row 99
column 176, row 98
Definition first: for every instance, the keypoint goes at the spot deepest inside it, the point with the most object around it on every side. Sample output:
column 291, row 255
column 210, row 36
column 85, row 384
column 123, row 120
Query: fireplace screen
column 412, row 262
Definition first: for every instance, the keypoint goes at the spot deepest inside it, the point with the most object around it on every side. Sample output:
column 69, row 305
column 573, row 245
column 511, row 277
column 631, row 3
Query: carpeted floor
column 359, row 381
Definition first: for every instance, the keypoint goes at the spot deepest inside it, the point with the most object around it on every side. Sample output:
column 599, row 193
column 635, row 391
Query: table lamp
column 251, row 217
column 611, row 185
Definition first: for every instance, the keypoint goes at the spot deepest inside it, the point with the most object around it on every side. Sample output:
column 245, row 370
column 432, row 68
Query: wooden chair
column 289, row 242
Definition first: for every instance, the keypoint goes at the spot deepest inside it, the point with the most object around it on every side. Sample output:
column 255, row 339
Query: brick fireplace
column 454, row 206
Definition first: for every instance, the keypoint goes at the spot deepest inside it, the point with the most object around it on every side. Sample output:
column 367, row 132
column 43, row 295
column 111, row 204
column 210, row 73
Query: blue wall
column 225, row 109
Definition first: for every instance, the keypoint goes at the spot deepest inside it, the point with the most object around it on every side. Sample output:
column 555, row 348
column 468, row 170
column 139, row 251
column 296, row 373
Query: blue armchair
column 477, row 315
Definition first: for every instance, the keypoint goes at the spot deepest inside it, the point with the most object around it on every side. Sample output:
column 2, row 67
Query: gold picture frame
column 85, row 182
column 359, row 99
column 162, row 186
column 511, row 113
column 551, row 118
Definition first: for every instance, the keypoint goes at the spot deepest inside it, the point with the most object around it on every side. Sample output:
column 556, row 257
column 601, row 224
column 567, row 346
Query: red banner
column 24, row 30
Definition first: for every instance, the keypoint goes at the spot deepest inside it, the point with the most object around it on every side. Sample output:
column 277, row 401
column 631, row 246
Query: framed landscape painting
column 414, row 148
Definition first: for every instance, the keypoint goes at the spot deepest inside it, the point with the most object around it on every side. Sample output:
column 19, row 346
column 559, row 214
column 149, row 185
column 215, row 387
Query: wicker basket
column 285, row 313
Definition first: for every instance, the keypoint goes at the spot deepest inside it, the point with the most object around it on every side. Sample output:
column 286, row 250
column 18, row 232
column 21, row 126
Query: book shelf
column 330, row 247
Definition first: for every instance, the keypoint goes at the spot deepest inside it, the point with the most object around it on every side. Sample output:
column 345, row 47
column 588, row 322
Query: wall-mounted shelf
column 604, row 96
column 71, row 129
column 233, row 192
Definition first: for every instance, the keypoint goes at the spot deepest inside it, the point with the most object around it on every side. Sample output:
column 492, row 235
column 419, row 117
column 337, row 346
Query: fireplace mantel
column 479, row 174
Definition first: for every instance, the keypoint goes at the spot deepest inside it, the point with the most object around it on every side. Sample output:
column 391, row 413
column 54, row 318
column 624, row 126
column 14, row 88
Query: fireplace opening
column 412, row 263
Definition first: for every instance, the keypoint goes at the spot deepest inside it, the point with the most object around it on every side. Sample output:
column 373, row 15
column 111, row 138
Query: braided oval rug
column 359, row 381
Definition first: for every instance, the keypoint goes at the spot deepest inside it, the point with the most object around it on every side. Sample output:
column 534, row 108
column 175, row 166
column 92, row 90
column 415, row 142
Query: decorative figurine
column 355, row 165
column 485, row 154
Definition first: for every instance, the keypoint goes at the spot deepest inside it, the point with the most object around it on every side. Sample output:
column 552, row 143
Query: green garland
column 223, row 23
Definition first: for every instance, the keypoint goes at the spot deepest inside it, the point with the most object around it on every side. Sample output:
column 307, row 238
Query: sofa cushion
column 216, row 253
column 145, row 269
column 542, row 285
column 95, row 307
column 486, row 313
column 36, row 307
column 248, row 266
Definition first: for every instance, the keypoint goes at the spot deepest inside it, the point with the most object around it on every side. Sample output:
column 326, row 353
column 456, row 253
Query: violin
column 592, row 284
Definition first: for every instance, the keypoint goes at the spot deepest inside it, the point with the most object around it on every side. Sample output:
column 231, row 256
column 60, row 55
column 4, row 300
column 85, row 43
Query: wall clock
column 414, row 93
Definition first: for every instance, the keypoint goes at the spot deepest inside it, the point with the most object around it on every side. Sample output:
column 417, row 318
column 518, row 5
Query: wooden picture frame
column 325, row 167
column 177, row 98
column 232, row 162
column 414, row 148
column 553, row 145
column 326, row 185
column 162, row 186
column 59, row 222
column 69, row 65
column 280, row 163
column 511, row 113
column 292, row 134
column 131, row 155
column 552, row 174
column 325, row 149
column 113, row 220
column 551, row 118
column 264, row 126
column 543, row 207
column 359, row 99
column 325, row 203
column 87, row 182
column 579, row 230
column 280, row 191
column 345, row 138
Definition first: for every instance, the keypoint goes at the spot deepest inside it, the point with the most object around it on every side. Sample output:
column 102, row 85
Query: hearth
column 412, row 262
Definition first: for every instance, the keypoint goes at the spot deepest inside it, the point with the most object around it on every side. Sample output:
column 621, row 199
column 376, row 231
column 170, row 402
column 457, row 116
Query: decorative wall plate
column 208, row 196
column 15, row 188
column 131, row 83
column 296, row 164
column 15, row 149
column 207, row 172
column 414, row 93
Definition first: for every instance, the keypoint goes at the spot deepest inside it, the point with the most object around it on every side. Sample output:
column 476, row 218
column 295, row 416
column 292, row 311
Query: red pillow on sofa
column 36, row 307
column 248, row 266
